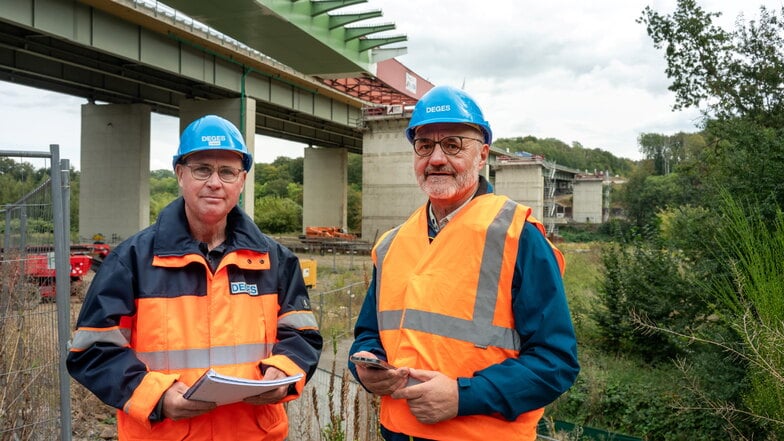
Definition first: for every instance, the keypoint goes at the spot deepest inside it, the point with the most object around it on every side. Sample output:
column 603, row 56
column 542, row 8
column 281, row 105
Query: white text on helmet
column 213, row 139
column 434, row 109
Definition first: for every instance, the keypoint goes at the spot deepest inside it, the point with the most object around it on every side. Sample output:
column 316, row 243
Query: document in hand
column 222, row 389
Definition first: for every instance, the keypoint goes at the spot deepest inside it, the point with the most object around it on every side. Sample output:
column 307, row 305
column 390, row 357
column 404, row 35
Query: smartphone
column 370, row 363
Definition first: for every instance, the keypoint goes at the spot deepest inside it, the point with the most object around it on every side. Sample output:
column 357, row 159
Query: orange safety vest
column 447, row 306
column 236, row 332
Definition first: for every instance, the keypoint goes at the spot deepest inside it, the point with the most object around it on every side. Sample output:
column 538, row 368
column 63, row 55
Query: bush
column 623, row 395
column 276, row 215
column 643, row 281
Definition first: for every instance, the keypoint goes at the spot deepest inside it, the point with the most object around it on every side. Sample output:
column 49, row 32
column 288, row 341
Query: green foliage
column 354, row 208
column 163, row 190
column 355, row 170
column 292, row 168
column 74, row 206
column 644, row 194
column 620, row 391
column 622, row 395
column 735, row 77
column 163, row 181
column 747, row 160
column 295, row 192
column 18, row 179
column 574, row 156
column 751, row 299
column 276, row 215
column 643, row 281
column 583, row 263
column 583, row 233
column 732, row 73
column 668, row 151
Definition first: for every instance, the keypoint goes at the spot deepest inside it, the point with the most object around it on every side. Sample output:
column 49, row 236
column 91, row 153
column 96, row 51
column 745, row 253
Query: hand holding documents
column 222, row 389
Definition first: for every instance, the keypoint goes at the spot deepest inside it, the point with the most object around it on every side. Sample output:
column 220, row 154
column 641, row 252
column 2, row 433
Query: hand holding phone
column 370, row 362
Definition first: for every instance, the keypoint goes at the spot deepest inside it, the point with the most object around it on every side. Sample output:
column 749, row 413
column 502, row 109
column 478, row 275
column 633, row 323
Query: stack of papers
column 222, row 389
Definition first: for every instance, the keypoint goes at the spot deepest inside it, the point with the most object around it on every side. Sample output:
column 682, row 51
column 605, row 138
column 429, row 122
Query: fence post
column 349, row 310
column 321, row 310
column 62, row 279
column 7, row 235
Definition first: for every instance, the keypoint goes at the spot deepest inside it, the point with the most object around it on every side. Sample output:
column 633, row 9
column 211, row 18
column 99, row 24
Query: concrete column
column 587, row 201
column 524, row 183
column 242, row 113
column 325, row 192
column 114, row 187
column 390, row 192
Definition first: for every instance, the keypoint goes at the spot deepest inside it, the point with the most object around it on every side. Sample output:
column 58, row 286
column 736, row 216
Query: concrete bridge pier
column 390, row 192
column 114, row 193
column 325, row 192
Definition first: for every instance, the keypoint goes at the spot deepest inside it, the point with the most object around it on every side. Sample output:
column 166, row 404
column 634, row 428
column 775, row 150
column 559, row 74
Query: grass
column 581, row 280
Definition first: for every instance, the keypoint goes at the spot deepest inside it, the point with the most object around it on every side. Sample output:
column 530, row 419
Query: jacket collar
column 173, row 238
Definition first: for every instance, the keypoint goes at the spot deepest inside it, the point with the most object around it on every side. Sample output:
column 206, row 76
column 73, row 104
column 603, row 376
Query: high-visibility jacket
column 447, row 306
column 155, row 313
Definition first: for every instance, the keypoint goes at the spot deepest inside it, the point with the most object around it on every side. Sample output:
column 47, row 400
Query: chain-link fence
column 34, row 309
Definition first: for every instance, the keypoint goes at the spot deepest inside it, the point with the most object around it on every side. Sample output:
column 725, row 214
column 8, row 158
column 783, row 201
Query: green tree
column 355, row 170
column 163, row 189
column 645, row 281
column 728, row 74
column 292, row 168
column 354, row 208
column 276, row 215
column 735, row 78
column 644, row 194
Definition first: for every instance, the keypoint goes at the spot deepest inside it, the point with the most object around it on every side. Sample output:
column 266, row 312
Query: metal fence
column 35, row 308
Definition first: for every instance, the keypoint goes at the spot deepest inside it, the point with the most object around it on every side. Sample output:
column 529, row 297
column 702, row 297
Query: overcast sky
column 574, row 70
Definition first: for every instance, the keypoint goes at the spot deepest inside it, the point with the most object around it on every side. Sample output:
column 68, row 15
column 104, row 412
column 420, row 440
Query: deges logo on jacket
column 244, row 288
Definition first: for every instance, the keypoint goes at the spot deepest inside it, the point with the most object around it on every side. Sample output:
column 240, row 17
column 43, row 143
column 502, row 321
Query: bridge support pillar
column 242, row 113
column 390, row 192
column 325, row 191
column 114, row 193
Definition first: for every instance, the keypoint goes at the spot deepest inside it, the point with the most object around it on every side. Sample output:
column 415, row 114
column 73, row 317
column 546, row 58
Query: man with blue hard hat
column 467, row 300
column 200, row 289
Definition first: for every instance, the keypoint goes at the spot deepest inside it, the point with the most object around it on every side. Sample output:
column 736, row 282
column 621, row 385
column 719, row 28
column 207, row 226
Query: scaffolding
column 548, row 202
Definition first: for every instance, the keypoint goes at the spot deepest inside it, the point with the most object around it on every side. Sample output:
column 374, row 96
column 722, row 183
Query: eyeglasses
column 450, row 145
column 202, row 172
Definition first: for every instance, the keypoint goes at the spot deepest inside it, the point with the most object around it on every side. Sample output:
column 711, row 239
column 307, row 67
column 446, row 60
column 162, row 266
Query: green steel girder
column 340, row 20
column 319, row 7
column 361, row 31
column 366, row 44
column 299, row 34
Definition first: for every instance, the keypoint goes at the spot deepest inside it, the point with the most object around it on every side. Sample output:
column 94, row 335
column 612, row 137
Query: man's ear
column 484, row 153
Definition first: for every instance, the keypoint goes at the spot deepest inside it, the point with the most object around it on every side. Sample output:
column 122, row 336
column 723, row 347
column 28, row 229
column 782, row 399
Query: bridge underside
column 33, row 58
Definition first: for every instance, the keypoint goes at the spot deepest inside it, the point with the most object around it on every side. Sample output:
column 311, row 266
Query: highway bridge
column 301, row 70
column 296, row 70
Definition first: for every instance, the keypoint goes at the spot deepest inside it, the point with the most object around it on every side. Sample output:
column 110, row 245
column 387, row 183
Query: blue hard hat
column 447, row 104
column 211, row 132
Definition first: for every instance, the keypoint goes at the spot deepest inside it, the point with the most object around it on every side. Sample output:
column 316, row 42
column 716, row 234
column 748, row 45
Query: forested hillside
column 575, row 156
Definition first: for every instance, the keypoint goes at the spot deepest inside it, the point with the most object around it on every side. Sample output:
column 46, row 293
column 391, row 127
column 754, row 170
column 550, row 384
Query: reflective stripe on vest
column 480, row 330
column 204, row 358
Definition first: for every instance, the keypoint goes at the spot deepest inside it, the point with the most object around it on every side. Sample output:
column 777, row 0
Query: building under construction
column 558, row 195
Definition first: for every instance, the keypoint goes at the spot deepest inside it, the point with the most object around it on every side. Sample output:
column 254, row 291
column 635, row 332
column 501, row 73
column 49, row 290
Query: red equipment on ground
column 39, row 265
